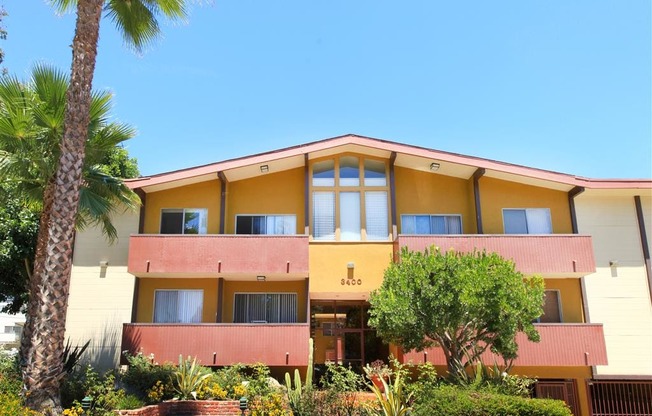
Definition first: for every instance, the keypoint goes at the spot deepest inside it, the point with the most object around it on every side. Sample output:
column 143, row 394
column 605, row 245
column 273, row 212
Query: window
column 265, row 224
column 431, row 224
column 551, row 307
column 527, row 221
column 178, row 306
column 349, row 199
column 265, row 308
column 184, row 221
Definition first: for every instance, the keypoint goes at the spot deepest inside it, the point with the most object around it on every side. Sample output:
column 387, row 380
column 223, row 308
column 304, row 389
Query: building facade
column 245, row 260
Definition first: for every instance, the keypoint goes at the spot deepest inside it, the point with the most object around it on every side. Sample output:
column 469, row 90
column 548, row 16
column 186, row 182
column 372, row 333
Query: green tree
column 18, row 230
column 463, row 302
column 49, row 285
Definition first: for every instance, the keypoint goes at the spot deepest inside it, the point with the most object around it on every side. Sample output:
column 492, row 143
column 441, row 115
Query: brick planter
column 187, row 408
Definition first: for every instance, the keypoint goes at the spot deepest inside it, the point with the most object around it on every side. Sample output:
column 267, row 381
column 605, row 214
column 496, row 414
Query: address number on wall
column 351, row 282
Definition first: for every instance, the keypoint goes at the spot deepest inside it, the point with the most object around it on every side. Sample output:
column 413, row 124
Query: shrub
column 273, row 404
column 129, row 401
column 10, row 377
column 142, row 375
column 447, row 400
column 12, row 405
column 102, row 389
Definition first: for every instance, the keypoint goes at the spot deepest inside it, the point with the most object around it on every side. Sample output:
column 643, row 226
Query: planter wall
column 188, row 408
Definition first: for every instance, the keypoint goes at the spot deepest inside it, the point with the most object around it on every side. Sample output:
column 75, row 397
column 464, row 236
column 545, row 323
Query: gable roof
column 413, row 157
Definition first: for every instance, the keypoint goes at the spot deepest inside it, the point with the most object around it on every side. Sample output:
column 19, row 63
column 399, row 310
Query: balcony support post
column 220, row 302
column 141, row 217
column 392, row 193
column 644, row 245
column 571, row 204
column 306, row 194
column 476, row 195
column 223, row 182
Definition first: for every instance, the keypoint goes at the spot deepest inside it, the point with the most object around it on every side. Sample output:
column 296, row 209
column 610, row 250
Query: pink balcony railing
column 549, row 254
column 220, row 344
column 214, row 255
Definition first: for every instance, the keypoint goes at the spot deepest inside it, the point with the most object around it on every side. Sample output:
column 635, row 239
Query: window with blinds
column 178, row 306
column 265, row 308
column 527, row 221
column 350, row 199
column 431, row 224
column 266, row 224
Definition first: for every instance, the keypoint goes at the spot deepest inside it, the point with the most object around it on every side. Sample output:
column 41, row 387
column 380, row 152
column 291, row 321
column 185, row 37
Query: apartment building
column 244, row 260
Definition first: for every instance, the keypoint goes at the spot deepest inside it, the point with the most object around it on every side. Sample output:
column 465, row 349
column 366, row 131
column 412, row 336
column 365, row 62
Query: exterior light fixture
column 350, row 265
column 434, row 166
column 103, row 266
column 261, row 278
column 243, row 404
column 264, row 168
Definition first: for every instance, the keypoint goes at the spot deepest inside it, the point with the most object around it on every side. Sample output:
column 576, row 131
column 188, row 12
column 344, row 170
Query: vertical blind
column 323, row 217
column 350, row 216
column 178, row 306
column 376, row 215
column 265, row 307
column 527, row 221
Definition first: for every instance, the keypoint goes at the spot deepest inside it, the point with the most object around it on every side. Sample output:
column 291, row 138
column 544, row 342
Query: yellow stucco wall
column 328, row 266
column 429, row 193
column 231, row 287
column 199, row 195
column 146, row 288
column 570, row 291
column 497, row 194
column 277, row 193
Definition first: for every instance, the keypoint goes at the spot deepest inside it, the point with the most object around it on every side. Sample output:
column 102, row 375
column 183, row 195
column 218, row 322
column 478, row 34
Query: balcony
column 156, row 255
column 549, row 255
column 220, row 344
column 560, row 345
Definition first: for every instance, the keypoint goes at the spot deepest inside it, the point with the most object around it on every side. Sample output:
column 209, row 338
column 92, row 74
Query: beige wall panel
column 101, row 298
column 98, row 306
column 618, row 296
column 91, row 246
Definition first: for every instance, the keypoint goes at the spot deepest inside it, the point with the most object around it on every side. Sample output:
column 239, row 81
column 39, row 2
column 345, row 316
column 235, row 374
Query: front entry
column 342, row 334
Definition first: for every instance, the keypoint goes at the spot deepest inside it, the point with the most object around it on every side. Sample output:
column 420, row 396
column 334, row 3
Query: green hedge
column 456, row 401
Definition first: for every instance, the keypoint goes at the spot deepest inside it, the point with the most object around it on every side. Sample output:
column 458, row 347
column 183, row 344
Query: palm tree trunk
column 44, row 369
column 33, row 283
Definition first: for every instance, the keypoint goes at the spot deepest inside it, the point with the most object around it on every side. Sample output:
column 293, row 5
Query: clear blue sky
column 563, row 85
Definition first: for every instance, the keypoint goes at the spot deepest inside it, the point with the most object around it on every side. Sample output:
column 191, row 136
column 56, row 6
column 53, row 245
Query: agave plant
column 189, row 378
column 393, row 401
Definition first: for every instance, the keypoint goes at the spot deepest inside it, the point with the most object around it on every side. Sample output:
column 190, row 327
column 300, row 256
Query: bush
column 449, row 400
column 147, row 380
column 10, row 377
column 105, row 396
column 12, row 405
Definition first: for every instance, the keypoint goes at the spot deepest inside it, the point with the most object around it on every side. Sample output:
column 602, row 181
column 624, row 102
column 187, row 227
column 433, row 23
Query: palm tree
column 31, row 125
column 49, row 286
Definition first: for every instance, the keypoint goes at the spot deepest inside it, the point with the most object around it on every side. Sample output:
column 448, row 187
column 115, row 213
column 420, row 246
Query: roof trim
column 389, row 146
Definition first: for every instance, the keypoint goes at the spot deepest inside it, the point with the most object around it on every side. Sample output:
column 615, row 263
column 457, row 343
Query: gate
column 620, row 398
column 565, row 390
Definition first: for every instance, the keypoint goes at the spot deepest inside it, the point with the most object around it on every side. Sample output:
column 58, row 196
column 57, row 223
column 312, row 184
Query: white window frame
column 296, row 297
column 177, row 290
column 526, row 211
column 434, row 215
column 559, row 306
column 203, row 219
column 266, row 216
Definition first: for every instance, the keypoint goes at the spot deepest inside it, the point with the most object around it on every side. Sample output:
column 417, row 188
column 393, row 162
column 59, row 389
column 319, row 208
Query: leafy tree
column 49, row 285
column 463, row 302
column 18, row 230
